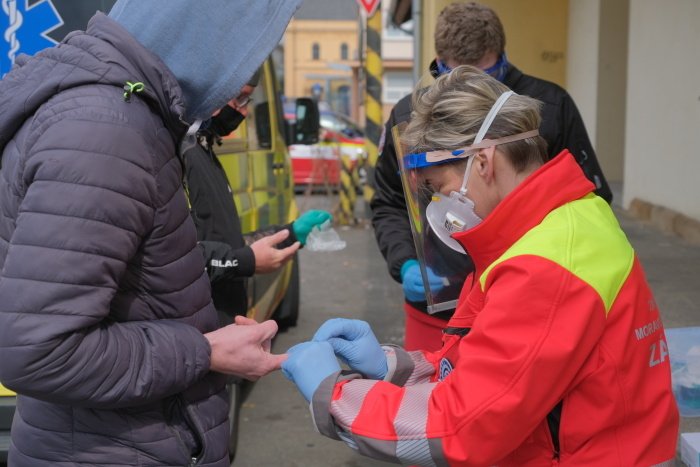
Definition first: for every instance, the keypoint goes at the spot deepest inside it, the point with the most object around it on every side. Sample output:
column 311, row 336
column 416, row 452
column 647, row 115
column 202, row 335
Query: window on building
column 396, row 85
column 315, row 51
column 391, row 31
column 343, row 51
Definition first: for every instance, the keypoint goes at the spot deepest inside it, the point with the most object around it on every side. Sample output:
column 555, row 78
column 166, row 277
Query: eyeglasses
column 242, row 101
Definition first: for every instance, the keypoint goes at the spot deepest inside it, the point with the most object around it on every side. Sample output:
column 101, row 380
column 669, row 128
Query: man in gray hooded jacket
column 107, row 331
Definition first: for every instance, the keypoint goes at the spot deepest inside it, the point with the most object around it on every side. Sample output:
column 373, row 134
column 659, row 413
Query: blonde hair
column 448, row 115
column 465, row 32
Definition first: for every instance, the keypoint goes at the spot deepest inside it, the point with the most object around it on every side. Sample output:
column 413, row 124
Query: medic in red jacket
column 556, row 354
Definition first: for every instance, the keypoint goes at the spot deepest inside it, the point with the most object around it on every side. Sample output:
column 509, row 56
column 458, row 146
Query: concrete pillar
column 597, row 76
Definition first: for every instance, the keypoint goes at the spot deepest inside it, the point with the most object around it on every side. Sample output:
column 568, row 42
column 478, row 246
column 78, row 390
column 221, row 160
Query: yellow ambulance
column 259, row 171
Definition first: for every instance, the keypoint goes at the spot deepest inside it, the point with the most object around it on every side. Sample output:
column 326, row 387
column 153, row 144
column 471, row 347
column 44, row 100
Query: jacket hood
column 213, row 47
column 103, row 54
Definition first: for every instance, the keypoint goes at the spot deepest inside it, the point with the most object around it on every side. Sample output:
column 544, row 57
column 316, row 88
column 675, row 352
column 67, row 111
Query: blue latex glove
column 307, row 221
column 308, row 364
column 354, row 342
column 412, row 281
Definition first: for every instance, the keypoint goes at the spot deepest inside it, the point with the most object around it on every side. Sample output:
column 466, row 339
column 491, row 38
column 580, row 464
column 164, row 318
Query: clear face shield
column 435, row 217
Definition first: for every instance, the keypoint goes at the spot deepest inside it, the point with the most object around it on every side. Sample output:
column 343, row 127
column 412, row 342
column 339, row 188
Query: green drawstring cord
column 130, row 88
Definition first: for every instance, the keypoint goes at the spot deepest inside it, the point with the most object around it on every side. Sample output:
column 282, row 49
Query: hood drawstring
column 130, row 88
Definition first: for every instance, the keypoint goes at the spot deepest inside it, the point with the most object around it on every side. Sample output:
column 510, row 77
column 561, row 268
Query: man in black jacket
column 230, row 256
column 465, row 34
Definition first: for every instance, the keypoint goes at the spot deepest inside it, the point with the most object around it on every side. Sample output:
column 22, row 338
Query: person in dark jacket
column 107, row 329
column 465, row 34
column 231, row 257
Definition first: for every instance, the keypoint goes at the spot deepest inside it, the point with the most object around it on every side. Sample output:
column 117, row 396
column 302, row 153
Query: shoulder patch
column 445, row 369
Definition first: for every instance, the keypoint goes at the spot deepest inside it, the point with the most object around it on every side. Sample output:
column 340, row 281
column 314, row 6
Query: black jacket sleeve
column 225, row 263
column 576, row 140
column 271, row 230
column 392, row 227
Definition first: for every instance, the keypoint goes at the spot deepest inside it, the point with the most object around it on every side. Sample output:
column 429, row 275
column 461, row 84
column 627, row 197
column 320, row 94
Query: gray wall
column 662, row 145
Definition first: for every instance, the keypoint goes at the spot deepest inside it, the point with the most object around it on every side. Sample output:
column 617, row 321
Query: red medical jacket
column 556, row 354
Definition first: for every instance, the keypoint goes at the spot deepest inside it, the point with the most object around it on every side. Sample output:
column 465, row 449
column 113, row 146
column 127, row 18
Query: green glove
column 307, row 221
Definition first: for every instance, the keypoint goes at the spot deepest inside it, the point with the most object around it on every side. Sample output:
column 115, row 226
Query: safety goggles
column 242, row 101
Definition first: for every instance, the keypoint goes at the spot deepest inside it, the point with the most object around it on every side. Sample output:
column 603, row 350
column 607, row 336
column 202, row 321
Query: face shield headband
column 420, row 160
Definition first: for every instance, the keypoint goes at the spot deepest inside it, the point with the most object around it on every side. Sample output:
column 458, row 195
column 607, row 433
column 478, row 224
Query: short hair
column 465, row 32
column 449, row 113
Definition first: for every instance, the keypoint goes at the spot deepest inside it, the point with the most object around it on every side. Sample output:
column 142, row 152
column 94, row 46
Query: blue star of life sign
column 25, row 29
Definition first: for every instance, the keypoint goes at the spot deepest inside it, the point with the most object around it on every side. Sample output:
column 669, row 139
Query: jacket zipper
column 554, row 423
column 194, row 460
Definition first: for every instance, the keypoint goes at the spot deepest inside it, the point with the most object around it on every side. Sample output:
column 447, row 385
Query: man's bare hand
column 267, row 257
column 244, row 349
column 244, row 320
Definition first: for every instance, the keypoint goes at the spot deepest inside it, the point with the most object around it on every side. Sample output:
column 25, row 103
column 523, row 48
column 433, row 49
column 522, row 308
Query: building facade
column 397, row 60
column 321, row 54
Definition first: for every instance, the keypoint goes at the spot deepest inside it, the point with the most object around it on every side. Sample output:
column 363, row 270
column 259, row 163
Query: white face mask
column 448, row 215
column 451, row 214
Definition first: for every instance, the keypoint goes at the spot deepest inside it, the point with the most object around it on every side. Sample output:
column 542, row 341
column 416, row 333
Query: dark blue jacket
column 103, row 294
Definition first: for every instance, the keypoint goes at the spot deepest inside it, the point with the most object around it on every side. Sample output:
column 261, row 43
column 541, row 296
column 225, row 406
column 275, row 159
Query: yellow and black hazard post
column 347, row 192
column 374, row 118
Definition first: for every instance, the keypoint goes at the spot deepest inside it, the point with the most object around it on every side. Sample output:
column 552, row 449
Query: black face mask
column 225, row 121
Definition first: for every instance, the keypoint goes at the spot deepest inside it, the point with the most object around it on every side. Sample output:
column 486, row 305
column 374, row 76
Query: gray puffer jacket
column 103, row 293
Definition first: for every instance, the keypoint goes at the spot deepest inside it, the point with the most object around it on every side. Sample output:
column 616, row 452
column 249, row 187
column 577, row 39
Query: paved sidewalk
column 672, row 267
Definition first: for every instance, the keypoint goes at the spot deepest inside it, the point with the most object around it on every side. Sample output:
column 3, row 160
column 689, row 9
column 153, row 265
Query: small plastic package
column 684, row 350
column 690, row 449
column 324, row 238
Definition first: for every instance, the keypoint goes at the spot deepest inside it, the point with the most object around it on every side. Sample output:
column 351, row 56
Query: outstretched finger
column 276, row 361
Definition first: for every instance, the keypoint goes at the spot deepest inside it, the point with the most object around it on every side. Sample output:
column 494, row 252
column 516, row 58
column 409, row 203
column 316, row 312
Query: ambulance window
column 279, row 99
column 260, row 133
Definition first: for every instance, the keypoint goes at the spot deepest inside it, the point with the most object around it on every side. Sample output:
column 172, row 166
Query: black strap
column 553, row 421
column 455, row 331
